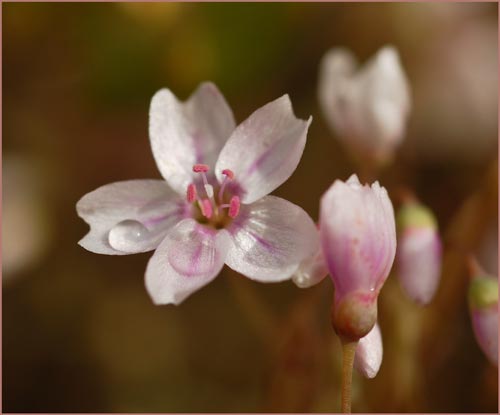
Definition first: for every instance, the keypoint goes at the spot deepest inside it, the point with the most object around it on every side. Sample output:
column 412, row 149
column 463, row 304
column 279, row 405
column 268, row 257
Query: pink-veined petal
column 270, row 239
column 190, row 256
column 186, row 133
column 369, row 352
column 134, row 214
column 358, row 235
column 265, row 149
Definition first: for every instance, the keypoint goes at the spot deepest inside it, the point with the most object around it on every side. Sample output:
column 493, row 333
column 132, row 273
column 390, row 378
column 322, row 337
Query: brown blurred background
column 80, row 333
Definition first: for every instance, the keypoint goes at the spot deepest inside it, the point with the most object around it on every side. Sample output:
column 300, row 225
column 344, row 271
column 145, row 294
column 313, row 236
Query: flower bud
column 419, row 252
column 369, row 352
column 367, row 107
column 358, row 239
column 483, row 307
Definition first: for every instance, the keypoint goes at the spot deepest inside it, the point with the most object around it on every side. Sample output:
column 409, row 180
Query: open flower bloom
column 369, row 352
column 212, row 207
column 358, row 238
column 367, row 108
column 483, row 306
column 419, row 252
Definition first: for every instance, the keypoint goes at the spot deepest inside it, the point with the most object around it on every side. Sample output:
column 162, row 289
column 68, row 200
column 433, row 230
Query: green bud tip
column 483, row 292
column 415, row 215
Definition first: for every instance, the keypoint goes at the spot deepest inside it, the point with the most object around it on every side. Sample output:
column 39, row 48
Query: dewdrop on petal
column 483, row 307
column 419, row 253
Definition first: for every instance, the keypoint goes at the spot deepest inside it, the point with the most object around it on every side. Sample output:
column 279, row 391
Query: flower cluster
column 213, row 206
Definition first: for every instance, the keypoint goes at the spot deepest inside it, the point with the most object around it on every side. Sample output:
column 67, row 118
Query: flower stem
column 348, row 352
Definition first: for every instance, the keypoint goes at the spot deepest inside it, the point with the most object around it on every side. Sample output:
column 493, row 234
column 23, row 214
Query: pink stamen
column 234, row 207
column 229, row 176
column 191, row 193
column 228, row 173
column 200, row 168
column 206, row 208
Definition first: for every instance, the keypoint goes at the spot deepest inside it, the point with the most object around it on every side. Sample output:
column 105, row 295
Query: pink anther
column 191, row 193
column 234, row 207
column 228, row 173
column 206, row 208
column 200, row 168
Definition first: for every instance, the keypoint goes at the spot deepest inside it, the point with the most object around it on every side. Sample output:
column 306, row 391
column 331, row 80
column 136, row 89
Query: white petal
column 147, row 205
column 369, row 352
column 186, row 133
column 189, row 257
column 311, row 271
column 419, row 263
column 270, row 238
column 265, row 149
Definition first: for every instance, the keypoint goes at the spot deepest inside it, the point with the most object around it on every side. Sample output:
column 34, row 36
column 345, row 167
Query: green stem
column 348, row 352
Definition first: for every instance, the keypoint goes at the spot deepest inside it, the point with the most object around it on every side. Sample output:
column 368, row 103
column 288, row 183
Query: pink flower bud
column 366, row 106
column 419, row 252
column 483, row 306
column 369, row 352
column 358, row 237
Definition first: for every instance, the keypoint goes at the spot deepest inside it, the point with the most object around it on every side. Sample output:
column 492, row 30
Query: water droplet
column 128, row 236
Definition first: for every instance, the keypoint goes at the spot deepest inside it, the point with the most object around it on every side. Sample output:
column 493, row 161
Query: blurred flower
column 366, row 107
column 483, row 306
column 419, row 252
column 358, row 237
column 369, row 353
column 26, row 224
column 199, row 218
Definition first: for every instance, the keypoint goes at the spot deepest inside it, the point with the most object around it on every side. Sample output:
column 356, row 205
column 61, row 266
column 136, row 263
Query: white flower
column 212, row 209
column 366, row 107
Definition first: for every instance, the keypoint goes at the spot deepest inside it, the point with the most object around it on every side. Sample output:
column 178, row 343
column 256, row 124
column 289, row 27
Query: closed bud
column 419, row 253
column 366, row 106
column 483, row 307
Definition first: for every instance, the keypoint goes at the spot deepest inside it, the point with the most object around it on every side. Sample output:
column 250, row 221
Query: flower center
column 215, row 207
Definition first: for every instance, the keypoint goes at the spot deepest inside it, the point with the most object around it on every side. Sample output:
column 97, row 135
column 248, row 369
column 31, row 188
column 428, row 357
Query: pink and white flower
column 367, row 107
column 212, row 208
column 358, row 238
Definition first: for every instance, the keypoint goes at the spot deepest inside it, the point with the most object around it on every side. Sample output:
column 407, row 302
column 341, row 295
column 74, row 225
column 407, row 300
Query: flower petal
column 265, row 149
column 144, row 208
column 186, row 133
column 189, row 257
column 311, row 271
column 369, row 352
column 270, row 239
